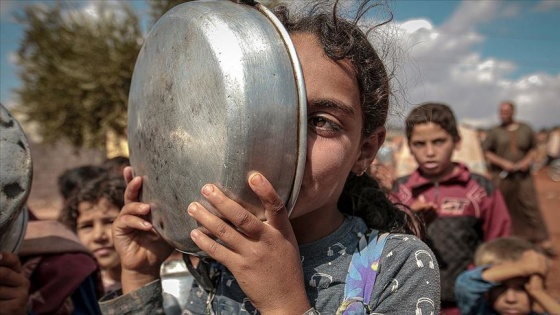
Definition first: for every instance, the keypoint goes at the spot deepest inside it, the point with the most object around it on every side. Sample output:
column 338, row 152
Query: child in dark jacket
column 461, row 209
column 508, row 279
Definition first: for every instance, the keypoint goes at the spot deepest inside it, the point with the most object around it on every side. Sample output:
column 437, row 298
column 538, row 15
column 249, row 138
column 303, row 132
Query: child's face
column 94, row 230
column 432, row 148
column 510, row 297
column 334, row 141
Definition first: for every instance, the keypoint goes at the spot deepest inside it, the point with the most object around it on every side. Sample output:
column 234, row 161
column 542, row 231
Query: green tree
column 75, row 67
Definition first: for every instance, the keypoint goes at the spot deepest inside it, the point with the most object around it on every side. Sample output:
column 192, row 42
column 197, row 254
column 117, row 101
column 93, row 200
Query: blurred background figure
column 116, row 165
column 510, row 149
column 89, row 212
column 461, row 209
column 47, row 270
column 64, row 276
column 74, row 178
column 508, row 279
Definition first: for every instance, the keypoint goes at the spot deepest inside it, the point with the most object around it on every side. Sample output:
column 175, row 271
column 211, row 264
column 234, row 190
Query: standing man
column 510, row 151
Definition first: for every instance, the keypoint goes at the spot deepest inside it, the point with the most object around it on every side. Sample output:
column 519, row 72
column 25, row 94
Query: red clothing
column 469, row 211
column 64, row 275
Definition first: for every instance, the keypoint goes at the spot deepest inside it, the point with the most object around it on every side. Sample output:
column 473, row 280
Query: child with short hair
column 90, row 211
column 461, row 209
column 508, row 279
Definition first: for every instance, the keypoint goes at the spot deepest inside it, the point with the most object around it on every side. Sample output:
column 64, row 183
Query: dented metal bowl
column 15, row 181
column 217, row 93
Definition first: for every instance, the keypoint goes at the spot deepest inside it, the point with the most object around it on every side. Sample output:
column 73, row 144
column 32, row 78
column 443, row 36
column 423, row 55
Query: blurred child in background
column 508, row 279
column 461, row 209
column 90, row 212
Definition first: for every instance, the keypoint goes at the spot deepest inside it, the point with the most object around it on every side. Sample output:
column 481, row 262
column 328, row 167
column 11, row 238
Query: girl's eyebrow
column 328, row 103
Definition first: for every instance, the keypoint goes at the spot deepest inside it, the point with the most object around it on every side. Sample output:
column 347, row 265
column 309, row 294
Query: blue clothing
column 470, row 289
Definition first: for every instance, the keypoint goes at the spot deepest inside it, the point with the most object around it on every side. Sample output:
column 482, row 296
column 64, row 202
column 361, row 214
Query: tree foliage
column 75, row 67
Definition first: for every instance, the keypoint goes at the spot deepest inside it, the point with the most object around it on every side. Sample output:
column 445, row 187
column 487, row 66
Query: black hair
column 116, row 165
column 74, row 178
column 437, row 113
column 109, row 187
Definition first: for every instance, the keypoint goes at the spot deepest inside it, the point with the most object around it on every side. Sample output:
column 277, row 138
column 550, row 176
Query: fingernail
column 195, row 233
column 207, row 189
column 256, row 179
column 145, row 207
column 147, row 224
column 192, row 208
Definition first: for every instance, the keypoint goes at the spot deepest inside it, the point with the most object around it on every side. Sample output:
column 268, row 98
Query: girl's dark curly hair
column 343, row 39
column 108, row 187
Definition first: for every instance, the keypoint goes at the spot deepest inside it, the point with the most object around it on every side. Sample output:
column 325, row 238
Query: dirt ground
column 549, row 198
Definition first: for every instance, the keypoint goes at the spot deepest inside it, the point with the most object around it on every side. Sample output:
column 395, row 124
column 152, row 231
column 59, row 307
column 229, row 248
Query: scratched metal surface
column 16, row 172
column 217, row 93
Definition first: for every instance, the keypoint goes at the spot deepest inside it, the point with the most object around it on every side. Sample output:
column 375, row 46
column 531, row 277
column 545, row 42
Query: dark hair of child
column 109, row 187
column 436, row 113
column 74, row 178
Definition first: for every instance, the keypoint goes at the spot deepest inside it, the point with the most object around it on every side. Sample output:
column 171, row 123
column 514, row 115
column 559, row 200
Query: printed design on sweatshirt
column 419, row 254
column 402, row 237
column 336, row 248
column 425, row 306
column 320, row 280
column 362, row 274
column 248, row 308
column 225, row 305
column 476, row 195
column 454, row 206
column 394, row 285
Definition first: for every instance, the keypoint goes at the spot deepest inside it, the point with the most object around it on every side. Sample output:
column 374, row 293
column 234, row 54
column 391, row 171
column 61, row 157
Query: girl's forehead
column 324, row 77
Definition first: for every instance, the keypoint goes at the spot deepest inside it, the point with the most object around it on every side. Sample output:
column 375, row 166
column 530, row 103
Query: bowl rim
column 302, row 103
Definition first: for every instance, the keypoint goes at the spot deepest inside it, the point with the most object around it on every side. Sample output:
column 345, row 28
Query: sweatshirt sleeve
column 408, row 278
column 146, row 300
column 497, row 221
column 470, row 289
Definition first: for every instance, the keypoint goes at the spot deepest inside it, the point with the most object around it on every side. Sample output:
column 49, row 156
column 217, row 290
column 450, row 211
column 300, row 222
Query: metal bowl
column 15, row 181
column 217, row 92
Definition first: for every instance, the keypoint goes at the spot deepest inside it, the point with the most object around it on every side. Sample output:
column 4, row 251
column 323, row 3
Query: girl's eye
column 322, row 123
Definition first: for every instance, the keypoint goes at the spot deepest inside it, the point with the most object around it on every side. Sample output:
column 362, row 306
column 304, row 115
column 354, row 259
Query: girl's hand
column 14, row 286
column 141, row 249
column 263, row 256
